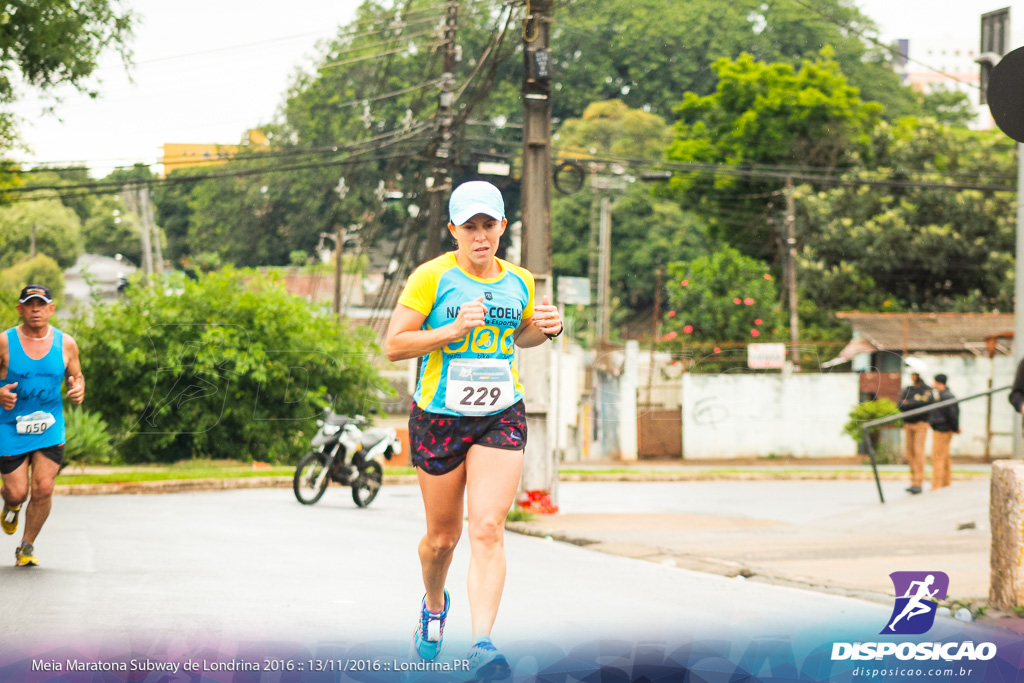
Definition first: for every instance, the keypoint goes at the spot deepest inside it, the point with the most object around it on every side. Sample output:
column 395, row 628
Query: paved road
column 252, row 572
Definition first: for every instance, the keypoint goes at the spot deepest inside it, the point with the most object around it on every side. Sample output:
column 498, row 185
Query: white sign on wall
column 766, row 356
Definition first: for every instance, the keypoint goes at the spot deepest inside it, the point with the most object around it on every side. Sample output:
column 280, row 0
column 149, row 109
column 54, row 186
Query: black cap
column 36, row 292
column 941, row 379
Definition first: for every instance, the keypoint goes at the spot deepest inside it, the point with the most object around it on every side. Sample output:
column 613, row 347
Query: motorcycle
column 347, row 452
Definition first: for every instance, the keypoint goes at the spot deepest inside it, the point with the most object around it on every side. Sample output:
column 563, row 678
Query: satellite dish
column 1006, row 94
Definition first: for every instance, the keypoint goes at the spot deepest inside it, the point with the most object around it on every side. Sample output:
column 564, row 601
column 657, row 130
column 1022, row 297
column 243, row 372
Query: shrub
column 231, row 366
column 88, row 440
column 41, row 270
column 865, row 412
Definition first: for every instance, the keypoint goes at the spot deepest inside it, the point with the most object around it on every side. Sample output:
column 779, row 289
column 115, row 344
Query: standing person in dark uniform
column 915, row 429
column 945, row 423
column 35, row 357
column 1017, row 391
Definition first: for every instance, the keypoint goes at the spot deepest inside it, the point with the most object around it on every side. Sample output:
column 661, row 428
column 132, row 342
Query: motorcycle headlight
column 330, row 430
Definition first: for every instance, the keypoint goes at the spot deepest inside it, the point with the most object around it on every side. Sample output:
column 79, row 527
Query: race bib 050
column 36, row 423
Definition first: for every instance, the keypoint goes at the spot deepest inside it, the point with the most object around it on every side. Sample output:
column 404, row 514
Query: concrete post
column 1006, row 516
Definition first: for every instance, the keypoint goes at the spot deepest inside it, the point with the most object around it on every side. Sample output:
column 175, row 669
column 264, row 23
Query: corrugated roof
column 917, row 332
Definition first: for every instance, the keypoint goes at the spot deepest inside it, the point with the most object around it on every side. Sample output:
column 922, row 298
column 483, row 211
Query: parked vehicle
column 346, row 451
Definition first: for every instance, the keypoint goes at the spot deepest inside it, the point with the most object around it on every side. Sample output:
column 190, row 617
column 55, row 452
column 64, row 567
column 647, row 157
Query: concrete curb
column 708, row 565
column 185, row 485
column 766, row 475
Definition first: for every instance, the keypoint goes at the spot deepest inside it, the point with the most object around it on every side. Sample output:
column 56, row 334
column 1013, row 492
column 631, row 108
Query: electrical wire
column 345, row 62
column 889, row 48
column 100, row 187
column 820, row 177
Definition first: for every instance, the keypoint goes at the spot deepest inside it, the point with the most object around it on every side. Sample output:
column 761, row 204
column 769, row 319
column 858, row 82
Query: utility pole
column 339, row 246
column 156, row 258
column 659, row 275
column 32, row 240
column 132, row 198
column 790, row 249
column 540, row 471
column 442, row 181
column 604, row 266
column 605, row 186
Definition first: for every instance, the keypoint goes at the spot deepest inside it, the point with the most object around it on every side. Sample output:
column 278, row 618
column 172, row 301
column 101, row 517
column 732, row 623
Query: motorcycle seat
column 375, row 435
column 340, row 420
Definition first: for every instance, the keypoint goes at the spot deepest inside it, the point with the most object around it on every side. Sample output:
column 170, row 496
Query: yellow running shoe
column 9, row 519
column 24, row 556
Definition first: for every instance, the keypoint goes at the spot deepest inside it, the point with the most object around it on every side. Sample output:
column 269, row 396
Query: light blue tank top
column 39, row 399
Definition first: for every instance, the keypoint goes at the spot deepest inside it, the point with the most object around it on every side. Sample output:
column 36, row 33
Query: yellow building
column 186, row 155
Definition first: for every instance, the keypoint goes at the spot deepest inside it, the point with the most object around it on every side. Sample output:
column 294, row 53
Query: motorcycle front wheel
column 311, row 468
column 366, row 486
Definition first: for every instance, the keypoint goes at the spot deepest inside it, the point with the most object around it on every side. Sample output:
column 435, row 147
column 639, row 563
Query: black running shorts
column 9, row 463
column 439, row 443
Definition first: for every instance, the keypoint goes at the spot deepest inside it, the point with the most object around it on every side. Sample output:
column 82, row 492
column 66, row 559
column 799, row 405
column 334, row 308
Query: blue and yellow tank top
column 37, row 419
column 437, row 289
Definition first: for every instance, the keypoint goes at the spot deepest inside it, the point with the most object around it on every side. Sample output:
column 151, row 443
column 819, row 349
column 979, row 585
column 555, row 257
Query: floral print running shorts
column 439, row 443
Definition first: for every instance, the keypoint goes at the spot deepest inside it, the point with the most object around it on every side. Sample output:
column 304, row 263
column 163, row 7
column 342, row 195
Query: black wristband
column 552, row 336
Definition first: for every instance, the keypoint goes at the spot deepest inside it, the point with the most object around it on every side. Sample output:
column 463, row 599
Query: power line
column 227, row 157
column 227, row 48
column 113, row 187
column 822, row 176
column 864, row 36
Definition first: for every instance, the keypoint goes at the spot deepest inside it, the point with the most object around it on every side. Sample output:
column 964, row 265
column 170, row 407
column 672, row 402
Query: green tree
column 647, row 232
column 73, row 199
column 41, row 270
column 939, row 247
column 612, row 128
column 58, row 232
column 112, row 229
column 723, row 297
column 947, row 106
column 767, row 115
column 58, row 42
column 647, row 52
column 367, row 111
column 173, row 212
column 231, row 366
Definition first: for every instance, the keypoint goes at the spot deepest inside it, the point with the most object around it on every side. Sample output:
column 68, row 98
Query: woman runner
column 464, row 312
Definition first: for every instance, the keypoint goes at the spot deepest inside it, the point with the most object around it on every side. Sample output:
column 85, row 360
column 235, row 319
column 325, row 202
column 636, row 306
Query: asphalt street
column 219, row 571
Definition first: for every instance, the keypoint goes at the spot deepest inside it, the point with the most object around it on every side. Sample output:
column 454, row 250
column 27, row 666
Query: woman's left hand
column 546, row 317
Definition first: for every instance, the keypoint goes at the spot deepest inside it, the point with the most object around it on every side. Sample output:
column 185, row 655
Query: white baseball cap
column 476, row 196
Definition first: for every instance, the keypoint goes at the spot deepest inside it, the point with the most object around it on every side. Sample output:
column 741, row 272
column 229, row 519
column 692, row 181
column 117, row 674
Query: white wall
column 752, row 415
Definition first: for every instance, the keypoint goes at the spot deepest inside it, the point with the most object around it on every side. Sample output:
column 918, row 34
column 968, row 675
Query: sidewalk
column 850, row 553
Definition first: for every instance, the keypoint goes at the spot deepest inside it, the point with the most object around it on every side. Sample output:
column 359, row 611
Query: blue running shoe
column 430, row 630
column 486, row 663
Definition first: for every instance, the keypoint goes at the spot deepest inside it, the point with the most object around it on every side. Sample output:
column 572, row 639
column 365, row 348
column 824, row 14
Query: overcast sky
column 207, row 70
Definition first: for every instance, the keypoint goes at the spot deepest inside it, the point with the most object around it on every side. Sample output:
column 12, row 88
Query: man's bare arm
column 73, row 371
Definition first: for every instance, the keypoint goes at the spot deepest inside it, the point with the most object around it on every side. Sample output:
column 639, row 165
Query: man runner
column 35, row 357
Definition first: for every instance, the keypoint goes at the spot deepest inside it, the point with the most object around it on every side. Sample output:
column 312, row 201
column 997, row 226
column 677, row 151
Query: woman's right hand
column 470, row 315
